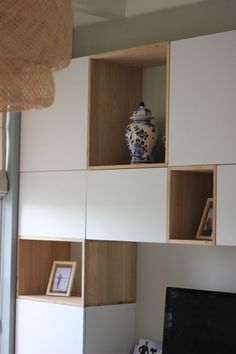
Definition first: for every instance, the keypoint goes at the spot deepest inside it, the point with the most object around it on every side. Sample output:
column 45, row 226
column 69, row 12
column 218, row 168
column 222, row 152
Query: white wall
column 162, row 265
column 109, row 329
column 171, row 24
column 136, row 7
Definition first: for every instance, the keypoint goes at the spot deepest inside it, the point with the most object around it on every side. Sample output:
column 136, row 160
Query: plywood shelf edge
column 142, row 56
column 134, row 166
column 191, row 242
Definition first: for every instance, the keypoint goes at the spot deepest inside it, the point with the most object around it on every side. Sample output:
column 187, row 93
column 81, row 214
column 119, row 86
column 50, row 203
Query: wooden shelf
column 35, row 259
column 190, row 242
column 116, row 88
column 189, row 189
column 130, row 166
column 106, row 271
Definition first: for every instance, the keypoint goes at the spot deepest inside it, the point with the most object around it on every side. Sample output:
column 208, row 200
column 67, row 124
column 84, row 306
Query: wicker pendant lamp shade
column 35, row 39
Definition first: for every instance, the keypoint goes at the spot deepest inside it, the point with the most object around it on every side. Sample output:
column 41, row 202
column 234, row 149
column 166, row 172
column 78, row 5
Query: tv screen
column 199, row 322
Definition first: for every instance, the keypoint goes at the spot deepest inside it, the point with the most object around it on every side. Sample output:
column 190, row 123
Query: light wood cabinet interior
column 106, row 271
column 189, row 189
column 110, row 272
column 115, row 90
column 35, row 260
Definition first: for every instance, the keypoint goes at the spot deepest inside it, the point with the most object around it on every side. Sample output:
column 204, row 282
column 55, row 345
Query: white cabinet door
column 226, row 206
column 202, row 100
column 55, row 138
column 110, row 329
column 52, row 204
column 127, row 205
column 46, row 328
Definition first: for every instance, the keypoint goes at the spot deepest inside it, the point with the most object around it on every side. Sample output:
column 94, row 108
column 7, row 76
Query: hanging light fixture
column 35, row 40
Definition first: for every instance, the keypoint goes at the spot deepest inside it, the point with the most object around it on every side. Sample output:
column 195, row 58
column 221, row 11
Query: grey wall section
column 9, row 234
column 167, row 25
column 159, row 266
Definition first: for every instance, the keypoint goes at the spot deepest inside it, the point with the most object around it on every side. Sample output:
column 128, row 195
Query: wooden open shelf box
column 35, row 260
column 115, row 90
column 106, row 270
column 189, row 189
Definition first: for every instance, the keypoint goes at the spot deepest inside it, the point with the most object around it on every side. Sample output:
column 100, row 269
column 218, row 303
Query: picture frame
column 61, row 278
column 148, row 346
column 205, row 229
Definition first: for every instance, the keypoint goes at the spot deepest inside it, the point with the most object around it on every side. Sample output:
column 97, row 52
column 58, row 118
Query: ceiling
column 87, row 12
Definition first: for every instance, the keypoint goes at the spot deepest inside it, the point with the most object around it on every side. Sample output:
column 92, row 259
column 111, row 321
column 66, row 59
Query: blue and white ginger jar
column 141, row 135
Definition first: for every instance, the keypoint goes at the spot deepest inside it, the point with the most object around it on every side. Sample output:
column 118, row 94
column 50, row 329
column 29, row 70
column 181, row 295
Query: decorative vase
column 141, row 135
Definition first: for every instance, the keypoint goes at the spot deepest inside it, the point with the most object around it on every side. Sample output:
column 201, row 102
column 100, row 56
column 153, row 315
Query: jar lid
column 141, row 112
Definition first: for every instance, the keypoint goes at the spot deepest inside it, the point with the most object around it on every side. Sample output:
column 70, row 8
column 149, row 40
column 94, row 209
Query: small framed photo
column 205, row 230
column 148, row 346
column 61, row 278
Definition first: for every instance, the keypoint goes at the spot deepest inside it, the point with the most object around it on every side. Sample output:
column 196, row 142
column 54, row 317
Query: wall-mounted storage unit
column 35, row 260
column 55, row 138
column 83, row 201
column 202, row 100
column 106, row 271
column 226, row 202
column 110, row 273
column 189, row 190
column 115, row 90
column 48, row 328
column 52, row 204
column 127, row 205
column 106, row 275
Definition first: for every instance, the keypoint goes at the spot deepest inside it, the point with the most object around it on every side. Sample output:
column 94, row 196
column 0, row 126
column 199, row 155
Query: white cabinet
column 55, row 138
column 202, row 100
column 110, row 329
column 46, row 328
column 127, row 205
column 226, row 206
column 61, row 329
column 52, row 204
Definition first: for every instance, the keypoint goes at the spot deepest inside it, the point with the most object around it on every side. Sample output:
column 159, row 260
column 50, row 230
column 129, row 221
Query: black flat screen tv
column 199, row 322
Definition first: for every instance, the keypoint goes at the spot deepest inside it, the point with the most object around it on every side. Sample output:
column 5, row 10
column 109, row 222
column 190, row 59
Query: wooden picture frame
column 61, row 278
column 205, row 229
